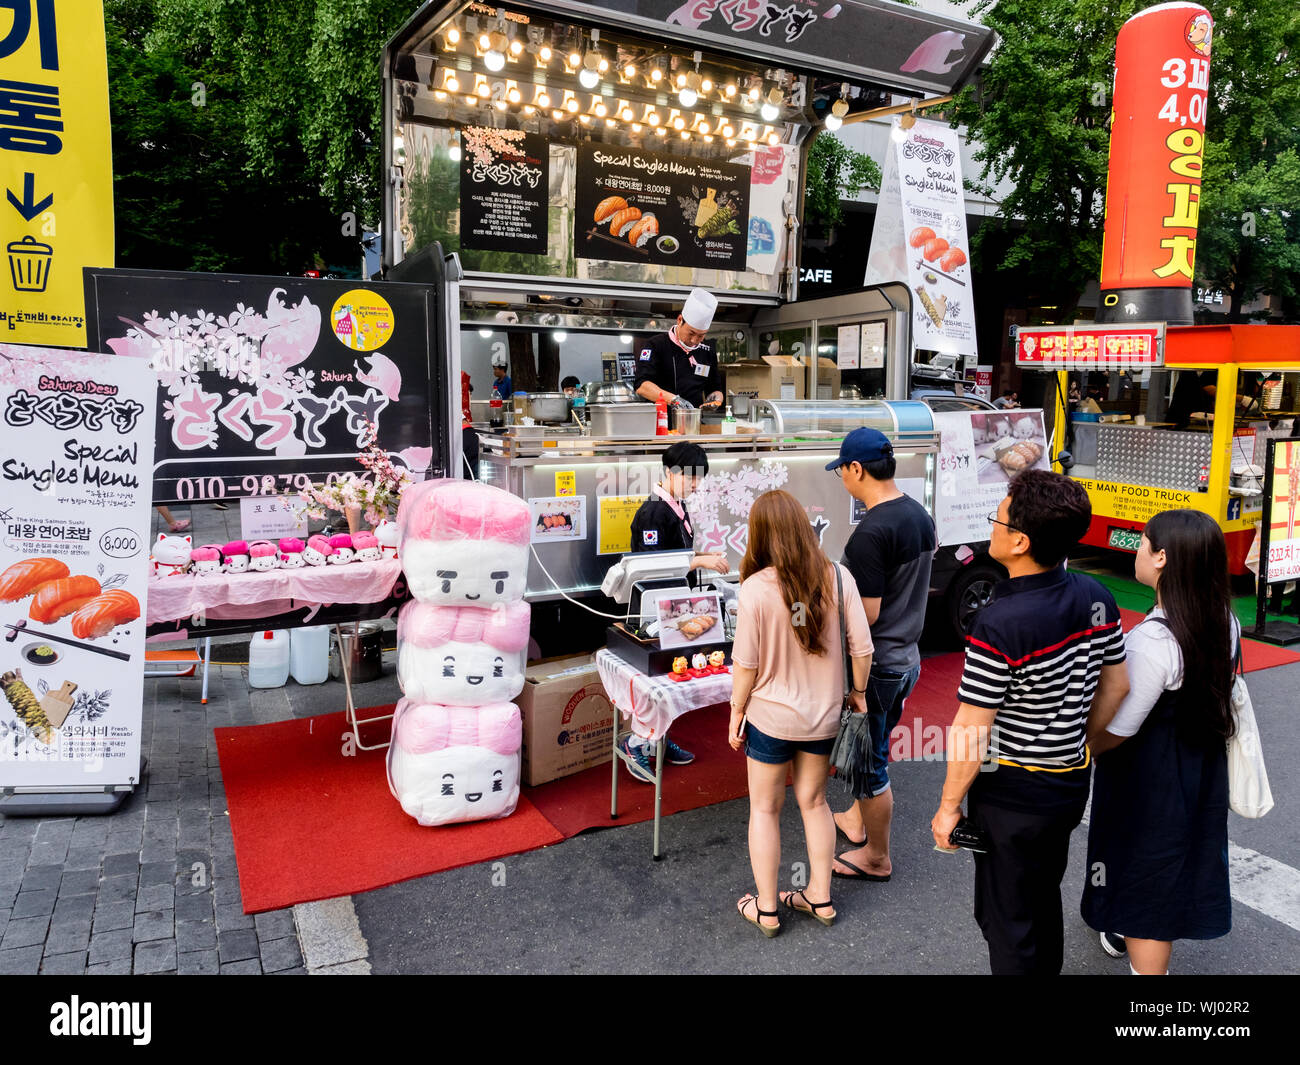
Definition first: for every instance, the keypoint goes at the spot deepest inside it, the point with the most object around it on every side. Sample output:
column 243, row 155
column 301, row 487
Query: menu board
column 504, row 187
column 641, row 207
column 76, row 469
column 1284, row 519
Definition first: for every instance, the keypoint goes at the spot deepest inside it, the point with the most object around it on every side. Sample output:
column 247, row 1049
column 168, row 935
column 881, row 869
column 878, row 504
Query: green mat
column 1132, row 594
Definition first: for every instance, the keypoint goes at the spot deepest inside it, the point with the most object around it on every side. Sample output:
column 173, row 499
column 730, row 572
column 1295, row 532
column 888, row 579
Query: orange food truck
column 1182, row 418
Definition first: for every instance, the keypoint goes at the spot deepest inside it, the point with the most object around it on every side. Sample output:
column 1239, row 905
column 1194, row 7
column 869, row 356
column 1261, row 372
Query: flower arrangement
column 374, row 493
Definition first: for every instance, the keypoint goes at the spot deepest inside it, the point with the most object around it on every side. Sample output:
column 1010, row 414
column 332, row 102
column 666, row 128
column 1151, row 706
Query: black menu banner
column 504, row 187
column 639, row 207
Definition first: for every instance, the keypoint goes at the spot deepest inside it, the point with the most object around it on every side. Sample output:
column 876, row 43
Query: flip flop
column 179, row 526
column 771, row 931
column 844, row 836
column 857, row 874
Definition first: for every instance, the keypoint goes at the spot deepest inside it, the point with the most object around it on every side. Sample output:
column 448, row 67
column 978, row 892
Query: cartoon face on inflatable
column 462, row 656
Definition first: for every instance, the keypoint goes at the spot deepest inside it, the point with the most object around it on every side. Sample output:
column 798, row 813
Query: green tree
column 835, row 171
column 1040, row 116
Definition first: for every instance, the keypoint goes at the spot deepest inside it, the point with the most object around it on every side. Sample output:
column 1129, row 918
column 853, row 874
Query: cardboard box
column 775, row 377
column 568, row 719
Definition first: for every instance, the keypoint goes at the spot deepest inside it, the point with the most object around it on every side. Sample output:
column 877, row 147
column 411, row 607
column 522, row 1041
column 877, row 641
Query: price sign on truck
column 56, row 164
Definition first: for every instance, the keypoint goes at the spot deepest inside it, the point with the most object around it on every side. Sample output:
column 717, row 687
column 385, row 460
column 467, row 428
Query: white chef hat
column 697, row 311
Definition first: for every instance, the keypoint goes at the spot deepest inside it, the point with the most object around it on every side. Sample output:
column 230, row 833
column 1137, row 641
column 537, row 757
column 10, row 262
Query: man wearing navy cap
column 889, row 555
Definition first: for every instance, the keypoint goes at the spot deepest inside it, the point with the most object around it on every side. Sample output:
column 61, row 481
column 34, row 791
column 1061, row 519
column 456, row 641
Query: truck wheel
column 968, row 594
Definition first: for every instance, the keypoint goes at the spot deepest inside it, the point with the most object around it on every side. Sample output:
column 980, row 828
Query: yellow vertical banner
column 55, row 166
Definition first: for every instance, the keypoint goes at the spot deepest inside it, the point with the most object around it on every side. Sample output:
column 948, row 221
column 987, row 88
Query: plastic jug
column 268, row 659
column 309, row 654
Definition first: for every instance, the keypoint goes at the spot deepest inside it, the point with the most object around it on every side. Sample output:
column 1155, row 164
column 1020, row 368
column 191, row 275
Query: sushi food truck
column 583, row 165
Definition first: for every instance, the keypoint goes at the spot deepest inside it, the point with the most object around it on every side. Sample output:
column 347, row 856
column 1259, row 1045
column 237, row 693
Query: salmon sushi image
column 104, row 613
column 57, row 599
column 644, row 231
column 622, row 222
column 23, row 578
column 607, row 208
column 920, row 235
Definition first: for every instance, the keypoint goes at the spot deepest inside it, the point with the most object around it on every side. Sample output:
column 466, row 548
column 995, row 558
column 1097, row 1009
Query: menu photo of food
column 690, row 621
column 1008, row 443
column 945, row 282
column 558, row 518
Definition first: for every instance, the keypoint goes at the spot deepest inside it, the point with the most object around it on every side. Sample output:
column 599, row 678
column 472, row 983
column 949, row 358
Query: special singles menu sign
column 640, row 207
column 76, row 462
column 504, row 187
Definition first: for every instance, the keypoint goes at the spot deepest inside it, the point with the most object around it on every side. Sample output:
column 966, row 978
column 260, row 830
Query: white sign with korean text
column 76, row 472
column 271, row 517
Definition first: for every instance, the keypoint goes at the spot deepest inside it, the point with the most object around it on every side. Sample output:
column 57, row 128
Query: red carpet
column 310, row 823
column 1255, row 654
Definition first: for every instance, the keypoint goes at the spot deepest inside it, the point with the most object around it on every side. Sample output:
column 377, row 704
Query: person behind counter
column 662, row 524
column 570, row 385
column 501, row 377
column 681, row 365
column 1195, row 393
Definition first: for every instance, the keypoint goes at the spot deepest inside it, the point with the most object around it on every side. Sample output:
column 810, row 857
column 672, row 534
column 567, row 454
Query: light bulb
column 629, row 72
column 588, row 78
column 627, row 114
column 681, row 80
column 544, row 53
column 688, row 97
column 660, row 130
column 679, row 122
column 728, row 130
column 774, row 139
column 840, row 108
column 708, row 138
column 625, row 338
column 571, row 104
column 399, row 143
column 656, row 75
column 494, row 61
column 753, row 93
column 574, row 59
column 558, row 115
column 752, row 146
column 485, row 333
column 652, row 118
column 560, row 336
column 833, row 122
column 484, row 41
column 704, row 127
column 686, row 135
column 514, row 96
column 452, row 84
column 730, row 90
column 731, row 143
column 610, row 123
column 770, row 112
column 706, row 85
column 469, row 101
column 603, row 65
column 438, row 94
column 516, row 47
column 584, row 119
column 482, row 89
column 529, row 109
column 453, row 36
column 636, row 127
column 543, row 100
column 500, row 105
column 600, row 109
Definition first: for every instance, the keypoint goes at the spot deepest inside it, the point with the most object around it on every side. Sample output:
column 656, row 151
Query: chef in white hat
column 681, row 365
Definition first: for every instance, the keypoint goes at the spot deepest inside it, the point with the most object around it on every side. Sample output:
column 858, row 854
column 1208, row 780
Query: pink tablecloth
column 254, row 595
column 654, row 703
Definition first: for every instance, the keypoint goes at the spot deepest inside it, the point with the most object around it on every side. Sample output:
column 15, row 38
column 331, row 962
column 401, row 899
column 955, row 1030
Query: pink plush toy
column 262, row 555
column 462, row 656
column 343, row 550
column 206, row 560
column 236, row 553
column 317, row 551
column 367, row 547
column 463, row 543
column 291, row 549
column 455, row 763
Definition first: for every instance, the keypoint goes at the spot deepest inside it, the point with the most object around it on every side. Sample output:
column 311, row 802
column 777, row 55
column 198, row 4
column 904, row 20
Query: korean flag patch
column 650, row 537
column 645, row 354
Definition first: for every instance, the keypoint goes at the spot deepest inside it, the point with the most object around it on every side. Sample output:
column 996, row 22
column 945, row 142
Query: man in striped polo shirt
column 1044, row 653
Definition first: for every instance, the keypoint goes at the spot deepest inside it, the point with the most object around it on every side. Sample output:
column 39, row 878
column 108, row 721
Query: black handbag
column 851, row 757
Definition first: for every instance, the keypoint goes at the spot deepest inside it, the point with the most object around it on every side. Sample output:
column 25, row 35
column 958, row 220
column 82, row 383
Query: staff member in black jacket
column 662, row 524
column 680, row 364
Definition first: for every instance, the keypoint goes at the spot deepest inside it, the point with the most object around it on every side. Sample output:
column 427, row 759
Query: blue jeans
column 772, row 751
column 887, row 690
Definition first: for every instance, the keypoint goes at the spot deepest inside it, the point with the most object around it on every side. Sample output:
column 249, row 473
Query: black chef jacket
column 668, row 366
column 655, row 527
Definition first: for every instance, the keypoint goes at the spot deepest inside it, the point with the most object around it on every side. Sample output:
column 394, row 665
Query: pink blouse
column 796, row 695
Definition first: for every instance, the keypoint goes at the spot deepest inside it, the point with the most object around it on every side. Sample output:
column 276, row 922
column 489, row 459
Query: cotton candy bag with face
column 462, row 656
column 449, row 764
column 463, row 543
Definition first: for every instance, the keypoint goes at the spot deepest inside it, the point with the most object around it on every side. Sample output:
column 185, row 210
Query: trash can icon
column 29, row 264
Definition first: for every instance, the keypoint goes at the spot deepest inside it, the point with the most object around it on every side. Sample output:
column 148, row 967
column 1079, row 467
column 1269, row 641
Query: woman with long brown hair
column 788, row 688
column 1158, row 835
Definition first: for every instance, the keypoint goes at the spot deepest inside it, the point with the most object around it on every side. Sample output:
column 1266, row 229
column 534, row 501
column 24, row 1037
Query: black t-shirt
column 1190, row 398
column 668, row 366
column 889, row 555
column 655, row 527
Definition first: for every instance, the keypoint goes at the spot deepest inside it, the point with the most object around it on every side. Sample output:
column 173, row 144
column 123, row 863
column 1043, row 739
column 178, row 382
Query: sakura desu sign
column 267, row 384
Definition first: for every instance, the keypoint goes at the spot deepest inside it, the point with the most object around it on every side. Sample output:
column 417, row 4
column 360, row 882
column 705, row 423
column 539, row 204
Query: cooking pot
column 616, row 392
column 550, row 407
column 363, row 649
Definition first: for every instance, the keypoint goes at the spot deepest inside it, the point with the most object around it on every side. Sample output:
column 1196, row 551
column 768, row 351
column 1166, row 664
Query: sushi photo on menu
column 689, row 621
column 73, row 565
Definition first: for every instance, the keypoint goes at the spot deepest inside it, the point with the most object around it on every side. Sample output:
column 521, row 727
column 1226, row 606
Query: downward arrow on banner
column 27, row 206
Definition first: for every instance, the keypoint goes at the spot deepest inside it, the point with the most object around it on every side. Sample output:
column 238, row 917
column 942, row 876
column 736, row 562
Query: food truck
column 1180, row 417
column 583, row 165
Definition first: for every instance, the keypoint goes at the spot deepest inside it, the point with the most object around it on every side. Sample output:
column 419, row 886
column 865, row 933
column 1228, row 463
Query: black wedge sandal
column 771, row 931
column 813, row 907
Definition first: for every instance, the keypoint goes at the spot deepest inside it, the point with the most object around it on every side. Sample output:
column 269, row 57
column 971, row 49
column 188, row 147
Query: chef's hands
column 681, row 404
column 717, row 563
column 714, row 400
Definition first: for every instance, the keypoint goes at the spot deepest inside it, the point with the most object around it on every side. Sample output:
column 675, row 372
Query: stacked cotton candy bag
column 463, row 543
column 462, row 656
column 448, row 764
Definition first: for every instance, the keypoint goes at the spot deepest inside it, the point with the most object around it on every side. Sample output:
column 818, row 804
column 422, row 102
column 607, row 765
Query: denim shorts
column 887, row 690
column 764, row 748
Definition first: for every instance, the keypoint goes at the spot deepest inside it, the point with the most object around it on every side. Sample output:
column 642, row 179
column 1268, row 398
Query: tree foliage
column 1041, row 119
column 835, row 171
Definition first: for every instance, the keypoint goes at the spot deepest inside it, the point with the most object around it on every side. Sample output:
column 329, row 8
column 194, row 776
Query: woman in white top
column 1158, row 836
column 788, row 685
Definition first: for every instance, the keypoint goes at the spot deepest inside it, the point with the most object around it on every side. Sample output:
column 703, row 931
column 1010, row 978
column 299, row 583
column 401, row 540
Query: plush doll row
column 174, row 556
column 462, row 644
